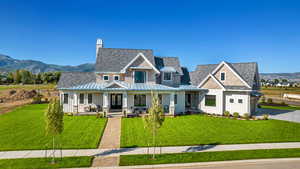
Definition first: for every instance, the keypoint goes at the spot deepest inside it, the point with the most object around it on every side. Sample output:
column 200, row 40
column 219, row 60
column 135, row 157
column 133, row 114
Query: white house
column 125, row 80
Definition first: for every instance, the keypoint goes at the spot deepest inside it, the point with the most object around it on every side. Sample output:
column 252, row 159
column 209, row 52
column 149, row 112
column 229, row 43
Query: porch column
column 105, row 102
column 172, row 103
column 125, row 102
column 75, row 104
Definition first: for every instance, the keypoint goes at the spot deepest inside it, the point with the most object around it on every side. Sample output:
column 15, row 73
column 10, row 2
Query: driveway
column 287, row 115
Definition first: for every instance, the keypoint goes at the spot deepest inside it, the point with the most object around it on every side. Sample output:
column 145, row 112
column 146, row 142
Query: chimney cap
column 99, row 41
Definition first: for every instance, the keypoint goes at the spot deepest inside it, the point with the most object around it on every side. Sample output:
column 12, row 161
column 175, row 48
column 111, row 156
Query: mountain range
column 8, row 64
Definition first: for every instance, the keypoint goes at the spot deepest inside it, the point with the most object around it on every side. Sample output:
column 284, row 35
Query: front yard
column 202, row 129
column 24, row 128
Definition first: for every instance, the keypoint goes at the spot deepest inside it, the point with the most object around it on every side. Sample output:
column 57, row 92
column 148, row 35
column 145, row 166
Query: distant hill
column 289, row 76
column 8, row 64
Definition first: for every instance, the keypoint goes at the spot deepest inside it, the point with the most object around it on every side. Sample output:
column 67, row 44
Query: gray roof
column 70, row 79
column 162, row 62
column 246, row 70
column 115, row 59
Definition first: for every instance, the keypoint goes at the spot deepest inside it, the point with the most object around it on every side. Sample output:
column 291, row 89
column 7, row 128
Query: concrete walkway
column 110, row 140
column 287, row 115
column 128, row 151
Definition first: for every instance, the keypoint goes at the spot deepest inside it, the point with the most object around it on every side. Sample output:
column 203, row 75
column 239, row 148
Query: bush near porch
column 202, row 129
column 24, row 128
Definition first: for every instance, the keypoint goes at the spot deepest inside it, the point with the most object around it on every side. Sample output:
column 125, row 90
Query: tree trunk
column 153, row 132
column 53, row 152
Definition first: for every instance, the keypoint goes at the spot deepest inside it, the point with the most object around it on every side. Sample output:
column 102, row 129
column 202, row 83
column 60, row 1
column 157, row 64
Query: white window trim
column 107, row 77
column 164, row 76
column 146, row 75
column 224, row 76
column 137, row 56
column 117, row 76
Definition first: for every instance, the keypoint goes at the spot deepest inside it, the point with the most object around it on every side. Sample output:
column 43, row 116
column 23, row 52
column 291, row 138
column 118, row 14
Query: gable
column 231, row 79
column 114, row 86
column 210, row 83
column 140, row 62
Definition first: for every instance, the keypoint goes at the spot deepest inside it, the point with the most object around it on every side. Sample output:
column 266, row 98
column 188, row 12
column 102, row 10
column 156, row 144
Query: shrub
column 265, row 117
column 247, row 116
column 270, row 101
column 37, row 99
column 258, row 106
column 226, row 113
column 236, row 115
column 263, row 99
column 283, row 103
column 99, row 115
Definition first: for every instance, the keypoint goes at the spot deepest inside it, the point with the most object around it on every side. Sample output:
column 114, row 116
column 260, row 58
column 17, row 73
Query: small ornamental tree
column 154, row 120
column 54, row 122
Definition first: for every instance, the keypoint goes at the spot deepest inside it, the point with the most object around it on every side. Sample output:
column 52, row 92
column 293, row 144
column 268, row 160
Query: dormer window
column 139, row 77
column 223, row 76
column 116, row 77
column 105, row 77
column 167, row 76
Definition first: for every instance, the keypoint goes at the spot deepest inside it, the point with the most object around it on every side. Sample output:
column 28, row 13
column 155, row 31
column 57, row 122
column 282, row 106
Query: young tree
column 54, row 122
column 154, row 120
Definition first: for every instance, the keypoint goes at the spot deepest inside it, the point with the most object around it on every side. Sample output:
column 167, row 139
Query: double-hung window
column 139, row 77
column 140, row 100
column 66, row 98
column 167, row 76
column 210, row 100
column 81, row 98
column 90, row 98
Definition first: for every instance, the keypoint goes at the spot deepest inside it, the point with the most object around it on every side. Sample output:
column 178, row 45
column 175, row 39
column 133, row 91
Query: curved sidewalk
column 128, row 151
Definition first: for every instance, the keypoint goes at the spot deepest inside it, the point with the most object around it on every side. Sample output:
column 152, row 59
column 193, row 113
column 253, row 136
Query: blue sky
column 198, row 32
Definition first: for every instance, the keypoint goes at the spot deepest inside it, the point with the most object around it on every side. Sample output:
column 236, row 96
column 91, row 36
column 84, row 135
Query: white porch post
column 75, row 107
column 172, row 103
column 105, row 103
column 125, row 102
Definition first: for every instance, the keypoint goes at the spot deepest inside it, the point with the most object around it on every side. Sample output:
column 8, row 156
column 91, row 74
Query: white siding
column 218, row 109
column 240, row 108
column 180, row 106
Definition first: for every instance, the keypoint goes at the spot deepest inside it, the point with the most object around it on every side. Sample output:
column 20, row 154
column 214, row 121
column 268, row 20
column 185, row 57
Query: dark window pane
column 105, row 77
column 81, row 98
column 139, row 77
column 210, row 100
column 66, row 98
column 167, row 76
column 231, row 100
column 139, row 100
column 222, row 76
column 90, row 98
column 175, row 98
column 116, row 77
column 240, row 101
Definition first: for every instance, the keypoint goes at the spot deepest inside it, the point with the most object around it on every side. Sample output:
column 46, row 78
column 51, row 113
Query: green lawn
column 42, row 163
column 281, row 107
column 24, row 128
column 30, row 87
column 202, row 129
column 127, row 160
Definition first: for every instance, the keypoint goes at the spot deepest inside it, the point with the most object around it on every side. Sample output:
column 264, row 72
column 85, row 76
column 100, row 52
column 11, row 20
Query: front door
column 116, row 101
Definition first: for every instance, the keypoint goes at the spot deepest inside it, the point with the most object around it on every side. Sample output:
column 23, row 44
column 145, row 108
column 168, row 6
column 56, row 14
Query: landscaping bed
column 128, row 160
column 24, row 128
column 203, row 129
column 42, row 163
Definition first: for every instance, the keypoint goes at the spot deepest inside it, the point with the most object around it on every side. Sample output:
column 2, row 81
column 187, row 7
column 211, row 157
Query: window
column 140, row 100
column 240, row 100
column 231, row 100
column 139, row 77
column 66, row 98
column 167, row 75
column 90, row 98
column 81, row 98
column 160, row 98
column 175, row 98
column 222, row 76
column 210, row 100
column 116, row 77
column 105, row 77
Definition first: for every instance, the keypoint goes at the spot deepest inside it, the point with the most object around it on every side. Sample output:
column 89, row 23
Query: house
column 125, row 80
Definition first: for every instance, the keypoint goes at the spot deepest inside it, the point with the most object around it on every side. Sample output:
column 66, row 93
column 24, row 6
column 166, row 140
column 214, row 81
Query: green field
column 29, row 87
column 127, row 160
column 42, row 163
column 24, row 128
column 202, row 129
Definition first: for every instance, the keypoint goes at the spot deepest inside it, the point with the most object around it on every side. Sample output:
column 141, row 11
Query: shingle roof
column 69, row 79
column 246, row 70
column 114, row 59
column 162, row 62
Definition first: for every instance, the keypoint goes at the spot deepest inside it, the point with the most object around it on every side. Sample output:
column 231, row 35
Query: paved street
column 288, row 115
column 127, row 151
column 283, row 163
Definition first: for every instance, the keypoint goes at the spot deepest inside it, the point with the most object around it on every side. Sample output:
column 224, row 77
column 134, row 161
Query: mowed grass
column 202, row 129
column 24, row 128
column 281, row 107
column 42, row 163
column 127, row 160
column 29, row 87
